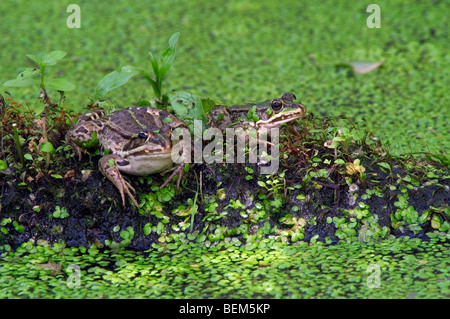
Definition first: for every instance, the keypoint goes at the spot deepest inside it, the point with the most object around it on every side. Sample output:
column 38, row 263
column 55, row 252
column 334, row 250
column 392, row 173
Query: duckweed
column 407, row 267
column 251, row 257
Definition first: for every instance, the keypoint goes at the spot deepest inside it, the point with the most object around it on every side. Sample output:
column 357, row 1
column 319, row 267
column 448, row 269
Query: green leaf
column 160, row 228
column 207, row 104
column 47, row 147
column 435, row 222
column 36, row 59
column 125, row 234
column 152, row 82
column 169, row 55
column 147, row 229
column 53, row 57
column 155, row 65
column 261, row 183
column 335, row 142
column 143, row 103
column 17, row 83
column 173, row 40
column 115, row 79
column 252, row 115
column 28, row 156
column 187, row 106
column 172, row 246
column 385, row 165
column 60, row 84
column 56, row 213
column 28, row 73
column 167, row 59
column 3, row 165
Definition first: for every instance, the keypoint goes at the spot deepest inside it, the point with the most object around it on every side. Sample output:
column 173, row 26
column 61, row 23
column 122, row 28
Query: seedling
column 186, row 105
column 60, row 212
column 29, row 77
column 121, row 76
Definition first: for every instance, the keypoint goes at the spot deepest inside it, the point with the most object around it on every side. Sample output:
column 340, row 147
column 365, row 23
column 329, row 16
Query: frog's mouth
column 285, row 116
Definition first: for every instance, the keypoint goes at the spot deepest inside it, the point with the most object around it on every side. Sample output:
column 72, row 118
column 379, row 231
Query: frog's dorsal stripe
column 130, row 111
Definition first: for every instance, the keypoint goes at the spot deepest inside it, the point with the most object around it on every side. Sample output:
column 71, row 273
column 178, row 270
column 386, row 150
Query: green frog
column 135, row 140
column 251, row 124
column 265, row 115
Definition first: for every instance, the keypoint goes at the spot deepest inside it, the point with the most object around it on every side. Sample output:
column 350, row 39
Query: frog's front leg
column 109, row 165
column 176, row 171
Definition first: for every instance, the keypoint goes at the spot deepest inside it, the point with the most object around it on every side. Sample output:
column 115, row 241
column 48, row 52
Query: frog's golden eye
column 277, row 105
column 143, row 134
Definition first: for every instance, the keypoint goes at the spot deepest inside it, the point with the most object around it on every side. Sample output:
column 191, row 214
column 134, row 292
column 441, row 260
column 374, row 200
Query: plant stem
column 42, row 76
column 194, row 208
column 45, row 137
column 17, row 142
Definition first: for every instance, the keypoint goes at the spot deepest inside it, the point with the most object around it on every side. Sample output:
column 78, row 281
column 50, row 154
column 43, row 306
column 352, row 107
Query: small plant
column 3, row 223
column 30, row 76
column 60, row 212
column 250, row 171
column 274, row 184
column 187, row 106
column 121, row 76
column 127, row 236
column 24, row 121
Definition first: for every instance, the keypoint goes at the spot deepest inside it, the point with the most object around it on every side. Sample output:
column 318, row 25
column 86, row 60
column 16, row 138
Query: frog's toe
column 124, row 187
column 128, row 185
column 108, row 167
column 177, row 171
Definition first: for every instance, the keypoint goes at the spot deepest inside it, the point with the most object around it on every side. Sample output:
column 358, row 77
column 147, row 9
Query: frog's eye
column 143, row 134
column 277, row 105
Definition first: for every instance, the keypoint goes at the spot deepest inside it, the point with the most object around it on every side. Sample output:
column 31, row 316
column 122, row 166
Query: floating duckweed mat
column 400, row 268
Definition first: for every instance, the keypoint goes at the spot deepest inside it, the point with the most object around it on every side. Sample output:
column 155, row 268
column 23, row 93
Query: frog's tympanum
column 137, row 140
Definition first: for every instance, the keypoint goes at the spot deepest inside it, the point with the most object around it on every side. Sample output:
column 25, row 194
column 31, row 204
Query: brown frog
column 135, row 140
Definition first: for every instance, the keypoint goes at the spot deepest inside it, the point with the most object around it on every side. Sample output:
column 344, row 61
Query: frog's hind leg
column 109, row 166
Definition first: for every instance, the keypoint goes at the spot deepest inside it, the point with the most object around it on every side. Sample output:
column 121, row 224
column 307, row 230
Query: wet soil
column 95, row 208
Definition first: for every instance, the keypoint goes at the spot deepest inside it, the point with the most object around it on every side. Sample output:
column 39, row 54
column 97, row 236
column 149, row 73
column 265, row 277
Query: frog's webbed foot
column 108, row 165
column 176, row 171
